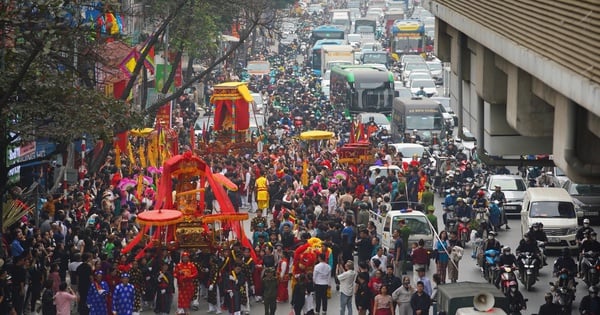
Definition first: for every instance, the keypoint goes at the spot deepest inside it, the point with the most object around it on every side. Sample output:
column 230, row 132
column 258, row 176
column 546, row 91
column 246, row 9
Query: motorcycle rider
column 490, row 243
column 480, row 201
column 462, row 209
column 506, row 259
column 589, row 244
column 528, row 245
column 566, row 262
column 580, row 236
column 516, row 301
column 499, row 195
column 450, row 201
column 539, row 236
column 590, row 304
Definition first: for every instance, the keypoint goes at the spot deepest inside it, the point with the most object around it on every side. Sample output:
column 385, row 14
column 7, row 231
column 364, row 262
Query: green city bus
column 362, row 88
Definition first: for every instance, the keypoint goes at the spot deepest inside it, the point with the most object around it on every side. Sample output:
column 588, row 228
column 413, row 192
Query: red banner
column 163, row 116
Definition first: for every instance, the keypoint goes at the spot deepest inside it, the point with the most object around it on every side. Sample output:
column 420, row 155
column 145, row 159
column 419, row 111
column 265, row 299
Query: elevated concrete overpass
column 525, row 76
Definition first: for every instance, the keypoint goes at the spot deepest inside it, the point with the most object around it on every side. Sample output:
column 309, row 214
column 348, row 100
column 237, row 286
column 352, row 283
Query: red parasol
column 160, row 217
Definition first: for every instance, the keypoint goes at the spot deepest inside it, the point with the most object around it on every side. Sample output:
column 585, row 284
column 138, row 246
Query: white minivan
column 554, row 208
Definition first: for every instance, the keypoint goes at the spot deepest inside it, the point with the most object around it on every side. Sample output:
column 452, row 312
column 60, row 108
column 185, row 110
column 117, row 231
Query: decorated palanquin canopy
column 232, row 106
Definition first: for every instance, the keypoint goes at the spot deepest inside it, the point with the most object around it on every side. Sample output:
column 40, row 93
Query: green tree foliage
column 47, row 87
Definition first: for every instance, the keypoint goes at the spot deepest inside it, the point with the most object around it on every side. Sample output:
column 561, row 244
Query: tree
column 49, row 57
column 197, row 15
column 47, row 87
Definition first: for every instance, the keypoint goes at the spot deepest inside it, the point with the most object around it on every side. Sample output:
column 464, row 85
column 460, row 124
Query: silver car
column 513, row 187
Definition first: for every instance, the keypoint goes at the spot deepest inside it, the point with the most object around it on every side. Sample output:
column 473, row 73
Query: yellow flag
column 130, row 154
column 142, row 156
column 140, row 185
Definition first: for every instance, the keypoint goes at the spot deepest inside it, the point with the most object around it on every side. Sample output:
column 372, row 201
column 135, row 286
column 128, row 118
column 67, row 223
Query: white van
column 417, row 221
column 554, row 208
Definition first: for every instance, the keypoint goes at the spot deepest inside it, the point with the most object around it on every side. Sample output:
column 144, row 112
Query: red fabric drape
column 225, row 107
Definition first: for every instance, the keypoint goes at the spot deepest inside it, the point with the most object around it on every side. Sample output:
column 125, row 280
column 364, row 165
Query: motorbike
column 463, row 231
column 451, row 220
column 516, row 308
column 590, row 266
column 528, row 269
column 482, row 215
column 563, row 295
column 507, row 278
column 488, row 264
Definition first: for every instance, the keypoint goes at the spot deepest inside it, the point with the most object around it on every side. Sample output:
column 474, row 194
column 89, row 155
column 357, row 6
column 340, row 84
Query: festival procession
column 316, row 169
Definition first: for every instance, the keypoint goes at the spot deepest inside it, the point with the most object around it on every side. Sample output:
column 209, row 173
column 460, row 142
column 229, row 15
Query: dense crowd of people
column 73, row 256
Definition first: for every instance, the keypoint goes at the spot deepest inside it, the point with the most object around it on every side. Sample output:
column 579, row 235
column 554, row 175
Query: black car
column 586, row 198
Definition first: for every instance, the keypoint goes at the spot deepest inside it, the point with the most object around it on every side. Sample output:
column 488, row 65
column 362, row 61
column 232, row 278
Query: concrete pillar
column 489, row 80
column 593, row 124
column 442, row 41
column 526, row 114
column 575, row 148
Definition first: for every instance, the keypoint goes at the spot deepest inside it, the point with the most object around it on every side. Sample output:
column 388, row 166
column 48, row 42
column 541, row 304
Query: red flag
column 351, row 140
column 192, row 138
column 121, row 141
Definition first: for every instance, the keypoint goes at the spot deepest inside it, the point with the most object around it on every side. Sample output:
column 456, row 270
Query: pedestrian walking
column 420, row 300
column 363, row 294
column 165, row 284
column 185, row 272
column 48, row 306
column 299, row 294
column 347, row 279
column 321, row 274
column 270, row 284
column 124, row 297
column 402, row 297
column 64, row 298
column 98, row 294
column 383, row 302
column 442, row 258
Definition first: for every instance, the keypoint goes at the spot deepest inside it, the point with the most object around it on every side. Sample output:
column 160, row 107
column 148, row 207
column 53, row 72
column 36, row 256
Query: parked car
column 586, row 198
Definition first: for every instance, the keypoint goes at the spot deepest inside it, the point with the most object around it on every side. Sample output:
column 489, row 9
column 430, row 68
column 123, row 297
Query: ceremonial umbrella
column 160, row 217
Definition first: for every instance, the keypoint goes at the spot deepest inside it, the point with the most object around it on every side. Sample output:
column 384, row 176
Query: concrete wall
column 508, row 98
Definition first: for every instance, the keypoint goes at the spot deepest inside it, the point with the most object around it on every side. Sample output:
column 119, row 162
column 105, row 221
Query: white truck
column 335, row 55
column 419, row 225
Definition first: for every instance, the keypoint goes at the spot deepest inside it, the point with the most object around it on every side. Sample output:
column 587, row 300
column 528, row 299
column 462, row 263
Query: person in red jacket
column 185, row 272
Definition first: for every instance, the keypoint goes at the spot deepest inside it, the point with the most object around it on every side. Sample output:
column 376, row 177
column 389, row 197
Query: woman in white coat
column 402, row 297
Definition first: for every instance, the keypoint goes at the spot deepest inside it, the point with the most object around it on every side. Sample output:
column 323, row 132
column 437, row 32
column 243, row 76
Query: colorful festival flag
column 129, row 62
column 149, row 60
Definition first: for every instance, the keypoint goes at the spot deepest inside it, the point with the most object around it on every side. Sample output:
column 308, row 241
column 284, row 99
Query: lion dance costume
column 305, row 257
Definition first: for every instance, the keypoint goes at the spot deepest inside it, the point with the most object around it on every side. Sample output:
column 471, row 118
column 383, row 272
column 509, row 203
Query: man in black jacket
column 420, row 301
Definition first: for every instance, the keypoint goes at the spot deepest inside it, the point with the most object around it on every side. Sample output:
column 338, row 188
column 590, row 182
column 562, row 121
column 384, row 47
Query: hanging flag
column 130, row 154
column 192, row 138
column 129, row 62
column 142, row 154
column 352, row 139
column 149, row 60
